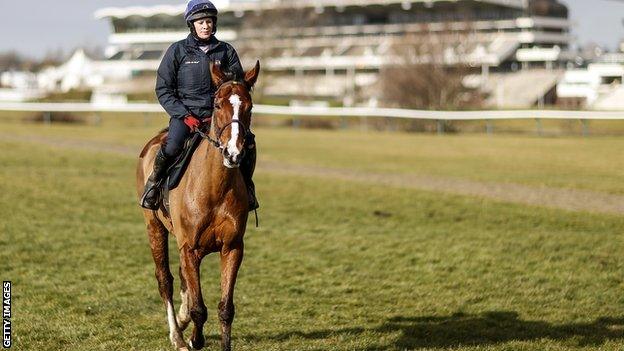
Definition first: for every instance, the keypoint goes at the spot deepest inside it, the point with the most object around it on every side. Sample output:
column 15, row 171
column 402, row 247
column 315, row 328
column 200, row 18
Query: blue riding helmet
column 196, row 9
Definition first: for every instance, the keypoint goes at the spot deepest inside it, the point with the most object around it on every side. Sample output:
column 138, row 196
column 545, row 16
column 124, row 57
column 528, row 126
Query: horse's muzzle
column 232, row 160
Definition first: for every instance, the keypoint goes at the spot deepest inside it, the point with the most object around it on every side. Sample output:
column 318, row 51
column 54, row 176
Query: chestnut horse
column 208, row 212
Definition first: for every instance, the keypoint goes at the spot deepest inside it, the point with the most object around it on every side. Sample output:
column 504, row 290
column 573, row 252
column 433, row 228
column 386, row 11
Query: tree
column 426, row 71
column 10, row 61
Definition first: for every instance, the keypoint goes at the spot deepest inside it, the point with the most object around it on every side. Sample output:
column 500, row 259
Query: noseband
column 217, row 143
column 219, row 131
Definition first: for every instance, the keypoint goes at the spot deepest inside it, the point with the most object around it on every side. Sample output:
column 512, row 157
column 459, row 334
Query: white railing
column 78, row 107
column 317, row 111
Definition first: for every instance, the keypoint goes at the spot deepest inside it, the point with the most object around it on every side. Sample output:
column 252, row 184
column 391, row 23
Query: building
column 19, row 86
column 598, row 86
column 333, row 51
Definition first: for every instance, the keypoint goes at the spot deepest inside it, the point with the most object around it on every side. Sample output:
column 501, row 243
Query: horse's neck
column 213, row 176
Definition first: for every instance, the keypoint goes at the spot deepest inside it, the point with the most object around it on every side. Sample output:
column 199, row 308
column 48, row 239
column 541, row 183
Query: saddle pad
column 176, row 171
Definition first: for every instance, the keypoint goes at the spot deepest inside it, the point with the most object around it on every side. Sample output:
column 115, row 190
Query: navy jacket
column 183, row 83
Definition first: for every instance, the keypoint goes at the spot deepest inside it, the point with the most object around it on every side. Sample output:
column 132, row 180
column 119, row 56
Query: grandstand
column 597, row 86
column 333, row 51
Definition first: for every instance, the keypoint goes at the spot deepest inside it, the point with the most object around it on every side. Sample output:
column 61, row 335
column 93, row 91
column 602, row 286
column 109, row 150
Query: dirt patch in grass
column 568, row 199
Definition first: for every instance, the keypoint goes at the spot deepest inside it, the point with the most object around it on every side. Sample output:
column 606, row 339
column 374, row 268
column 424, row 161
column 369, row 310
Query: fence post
column 489, row 127
column 585, row 124
column 363, row 124
column 538, row 126
column 343, row 122
column 440, row 126
column 98, row 118
column 47, row 118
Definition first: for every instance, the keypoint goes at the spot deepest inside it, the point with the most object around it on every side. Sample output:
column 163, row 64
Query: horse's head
column 232, row 112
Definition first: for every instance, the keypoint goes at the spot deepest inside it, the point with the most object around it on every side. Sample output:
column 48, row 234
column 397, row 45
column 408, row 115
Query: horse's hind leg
column 231, row 259
column 160, row 252
column 189, row 268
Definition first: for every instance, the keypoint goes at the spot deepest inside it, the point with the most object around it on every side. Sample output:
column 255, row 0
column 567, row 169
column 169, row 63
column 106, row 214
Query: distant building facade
column 598, row 86
column 334, row 50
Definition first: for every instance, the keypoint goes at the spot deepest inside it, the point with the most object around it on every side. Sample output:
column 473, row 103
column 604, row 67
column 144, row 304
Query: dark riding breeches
column 178, row 133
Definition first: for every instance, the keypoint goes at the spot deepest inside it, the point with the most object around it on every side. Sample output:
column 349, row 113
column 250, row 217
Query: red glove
column 191, row 122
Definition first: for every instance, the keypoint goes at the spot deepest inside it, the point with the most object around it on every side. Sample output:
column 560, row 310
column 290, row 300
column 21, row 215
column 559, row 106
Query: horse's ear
column 252, row 75
column 218, row 77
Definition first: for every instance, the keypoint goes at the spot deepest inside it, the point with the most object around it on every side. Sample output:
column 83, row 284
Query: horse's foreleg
column 189, row 268
column 160, row 252
column 184, row 314
column 231, row 259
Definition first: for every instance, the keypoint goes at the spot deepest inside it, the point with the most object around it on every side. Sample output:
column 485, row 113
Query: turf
column 334, row 266
column 566, row 162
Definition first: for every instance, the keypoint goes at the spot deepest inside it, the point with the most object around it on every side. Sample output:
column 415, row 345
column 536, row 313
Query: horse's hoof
column 198, row 344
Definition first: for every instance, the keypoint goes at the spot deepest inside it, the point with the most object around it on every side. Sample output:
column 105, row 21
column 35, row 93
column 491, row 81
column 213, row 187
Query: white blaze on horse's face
column 232, row 149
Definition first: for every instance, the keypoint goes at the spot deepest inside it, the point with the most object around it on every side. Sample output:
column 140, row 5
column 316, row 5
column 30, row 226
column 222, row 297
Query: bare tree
column 264, row 38
column 10, row 61
column 14, row 61
column 426, row 72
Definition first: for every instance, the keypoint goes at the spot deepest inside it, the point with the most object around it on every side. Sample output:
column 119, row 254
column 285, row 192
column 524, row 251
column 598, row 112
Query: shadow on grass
column 471, row 330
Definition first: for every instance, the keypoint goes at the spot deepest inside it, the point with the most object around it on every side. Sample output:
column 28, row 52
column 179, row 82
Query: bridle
column 219, row 131
column 217, row 143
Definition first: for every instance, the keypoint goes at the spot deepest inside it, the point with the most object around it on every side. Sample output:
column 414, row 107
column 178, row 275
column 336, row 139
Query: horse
column 207, row 212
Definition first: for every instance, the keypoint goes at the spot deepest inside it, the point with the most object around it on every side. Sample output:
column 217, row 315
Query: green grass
column 562, row 162
column 334, row 265
column 567, row 162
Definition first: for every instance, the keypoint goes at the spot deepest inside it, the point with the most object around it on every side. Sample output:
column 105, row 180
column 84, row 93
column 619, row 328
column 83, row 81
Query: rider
column 186, row 92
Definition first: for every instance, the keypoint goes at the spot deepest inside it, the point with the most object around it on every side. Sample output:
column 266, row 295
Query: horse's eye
column 217, row 106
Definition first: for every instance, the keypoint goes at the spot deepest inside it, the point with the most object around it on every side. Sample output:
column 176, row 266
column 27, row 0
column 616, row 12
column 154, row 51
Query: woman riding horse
column 207, row 212
column 209, row 208
column 185, row 90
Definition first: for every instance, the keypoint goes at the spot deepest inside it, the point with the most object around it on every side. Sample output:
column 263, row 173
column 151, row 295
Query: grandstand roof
column 250, row 5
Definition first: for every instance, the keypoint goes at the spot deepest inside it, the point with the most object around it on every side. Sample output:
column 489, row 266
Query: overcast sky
column 34, row 28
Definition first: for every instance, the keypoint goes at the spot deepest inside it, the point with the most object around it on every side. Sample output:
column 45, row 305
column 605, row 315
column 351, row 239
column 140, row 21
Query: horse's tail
column 158, row 139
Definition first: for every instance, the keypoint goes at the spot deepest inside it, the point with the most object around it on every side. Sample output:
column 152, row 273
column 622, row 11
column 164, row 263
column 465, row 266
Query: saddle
column 178, row 167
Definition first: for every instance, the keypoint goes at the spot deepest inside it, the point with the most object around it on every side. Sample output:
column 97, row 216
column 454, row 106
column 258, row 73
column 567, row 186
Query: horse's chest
column 221, row 232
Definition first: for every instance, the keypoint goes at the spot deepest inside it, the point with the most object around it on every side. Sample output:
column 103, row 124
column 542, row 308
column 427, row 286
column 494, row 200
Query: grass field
column 565, row 162
column 335, row 265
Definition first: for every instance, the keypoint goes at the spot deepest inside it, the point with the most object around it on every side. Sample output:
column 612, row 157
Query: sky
column 36, row 28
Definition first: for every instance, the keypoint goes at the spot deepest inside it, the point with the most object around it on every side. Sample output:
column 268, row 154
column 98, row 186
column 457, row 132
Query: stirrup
column 157, row 197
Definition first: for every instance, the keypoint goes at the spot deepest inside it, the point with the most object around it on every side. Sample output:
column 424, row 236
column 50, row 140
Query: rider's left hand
column 192, row 123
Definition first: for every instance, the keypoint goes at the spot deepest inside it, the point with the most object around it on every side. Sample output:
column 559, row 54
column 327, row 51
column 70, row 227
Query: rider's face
column 203, row 27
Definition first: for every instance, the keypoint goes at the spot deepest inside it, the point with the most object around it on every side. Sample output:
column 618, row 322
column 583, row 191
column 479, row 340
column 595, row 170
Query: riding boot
column 247, row 167
column 151, row 195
